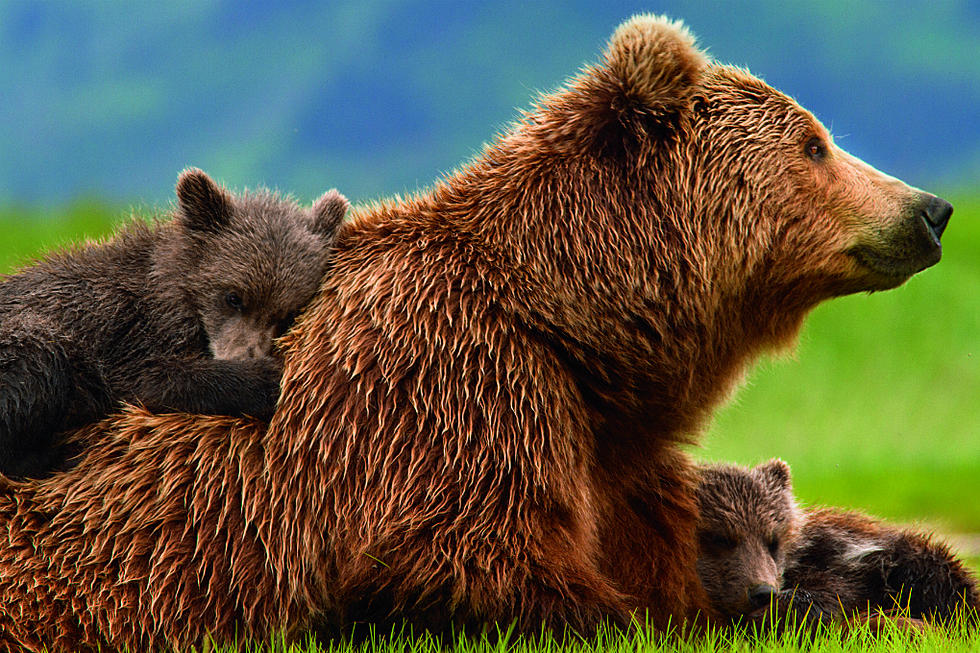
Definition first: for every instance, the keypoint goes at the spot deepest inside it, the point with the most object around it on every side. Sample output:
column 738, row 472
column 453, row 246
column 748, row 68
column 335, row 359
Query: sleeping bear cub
column 176, row 315
column 758, row 548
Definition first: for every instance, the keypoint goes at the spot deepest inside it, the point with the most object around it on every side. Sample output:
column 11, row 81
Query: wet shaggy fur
column 176, row 315
column 846, row 564
column 748, row 521
column 481, row 412
column 820, row 565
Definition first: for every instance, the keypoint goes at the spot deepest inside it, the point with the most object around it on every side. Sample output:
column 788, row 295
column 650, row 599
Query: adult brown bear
column 481, row 413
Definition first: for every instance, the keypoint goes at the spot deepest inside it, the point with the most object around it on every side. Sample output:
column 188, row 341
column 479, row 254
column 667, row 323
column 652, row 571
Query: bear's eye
column 286, row 323
column 717, row 543
column 773, row 546
column 699, row 105
column 815, row 149
column 234, row 301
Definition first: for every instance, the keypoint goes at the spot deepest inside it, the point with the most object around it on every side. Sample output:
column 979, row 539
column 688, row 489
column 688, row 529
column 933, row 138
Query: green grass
column 958, row 637
column 877, row 409
column 28, row 232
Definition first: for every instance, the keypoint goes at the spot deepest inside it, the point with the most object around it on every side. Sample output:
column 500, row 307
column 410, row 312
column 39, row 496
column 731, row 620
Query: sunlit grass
column 959, row 636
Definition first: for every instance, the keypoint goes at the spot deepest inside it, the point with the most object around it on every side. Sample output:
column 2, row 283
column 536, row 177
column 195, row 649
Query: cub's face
column 808, row 212
column 748, row 518
column 257, row 260
column 257, row 283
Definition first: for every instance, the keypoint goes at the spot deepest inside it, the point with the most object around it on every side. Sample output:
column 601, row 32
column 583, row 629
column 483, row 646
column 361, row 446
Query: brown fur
column 847, row 565
column 480, row 414
column 176, row 315
column 821, row 565
column 748, row 521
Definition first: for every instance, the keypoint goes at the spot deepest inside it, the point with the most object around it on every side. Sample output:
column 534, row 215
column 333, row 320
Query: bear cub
column 757, row 547
column 748, row 520
column 176, row 315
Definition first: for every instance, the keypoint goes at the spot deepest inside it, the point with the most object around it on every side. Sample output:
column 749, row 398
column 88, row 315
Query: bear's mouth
column 894, row 270
column 912, row 246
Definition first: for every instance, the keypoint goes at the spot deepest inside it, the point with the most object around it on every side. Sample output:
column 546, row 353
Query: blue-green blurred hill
column 113, row 98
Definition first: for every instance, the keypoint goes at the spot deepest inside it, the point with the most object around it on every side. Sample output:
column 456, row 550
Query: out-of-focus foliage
column 114, row 98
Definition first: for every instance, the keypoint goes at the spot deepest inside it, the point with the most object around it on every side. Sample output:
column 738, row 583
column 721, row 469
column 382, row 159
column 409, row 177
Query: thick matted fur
column 481, row 412
column 818, row 565
column 177, row 314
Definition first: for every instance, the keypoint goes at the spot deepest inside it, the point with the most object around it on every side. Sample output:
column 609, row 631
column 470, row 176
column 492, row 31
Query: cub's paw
column 267, row 374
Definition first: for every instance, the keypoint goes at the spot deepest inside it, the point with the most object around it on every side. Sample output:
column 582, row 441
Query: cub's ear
column 329, row 212
column 654, row 61
column 203, row 205
column 776, row 473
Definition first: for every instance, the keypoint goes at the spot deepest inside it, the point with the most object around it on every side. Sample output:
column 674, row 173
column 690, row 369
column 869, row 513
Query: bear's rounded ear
column 654, row 60
column 776, row 473
column 203, row 205
column 329, row 212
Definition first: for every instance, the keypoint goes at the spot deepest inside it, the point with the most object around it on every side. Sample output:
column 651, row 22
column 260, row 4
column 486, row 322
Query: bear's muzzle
column 935, row 213
column 911, row 244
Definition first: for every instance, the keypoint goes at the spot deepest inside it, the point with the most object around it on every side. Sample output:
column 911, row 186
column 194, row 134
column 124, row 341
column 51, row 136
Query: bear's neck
column 608, row 276
column 665, row 385
column 624, row 283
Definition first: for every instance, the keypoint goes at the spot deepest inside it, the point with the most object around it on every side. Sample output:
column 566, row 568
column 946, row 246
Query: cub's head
column 251, row 262
column 748, row 518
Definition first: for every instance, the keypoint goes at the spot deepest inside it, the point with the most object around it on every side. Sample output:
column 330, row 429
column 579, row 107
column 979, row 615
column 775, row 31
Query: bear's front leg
column 47, row 385
column 211, row 387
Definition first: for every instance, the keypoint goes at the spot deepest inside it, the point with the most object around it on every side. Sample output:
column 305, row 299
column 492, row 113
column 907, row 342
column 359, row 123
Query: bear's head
column 748, row 518
column 805, row 212
column 729, row 201
column 762, row 176
column 248, row 263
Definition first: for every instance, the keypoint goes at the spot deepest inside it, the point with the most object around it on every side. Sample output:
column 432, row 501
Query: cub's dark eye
column 815, row 149
column 234, row 301
column 717, row 543
column 773, row 546
column 286, row 323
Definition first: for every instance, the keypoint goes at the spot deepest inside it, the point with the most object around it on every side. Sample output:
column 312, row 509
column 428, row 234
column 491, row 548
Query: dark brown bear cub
column 822, row 565
column 748, row 520
column 179, row 315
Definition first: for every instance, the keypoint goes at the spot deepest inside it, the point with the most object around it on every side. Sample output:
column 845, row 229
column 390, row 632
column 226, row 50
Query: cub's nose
column 936, row 212
column 761, row 595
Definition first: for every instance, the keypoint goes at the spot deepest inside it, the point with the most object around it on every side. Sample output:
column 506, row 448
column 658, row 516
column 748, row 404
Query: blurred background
column 102, row 104
column 111, row 99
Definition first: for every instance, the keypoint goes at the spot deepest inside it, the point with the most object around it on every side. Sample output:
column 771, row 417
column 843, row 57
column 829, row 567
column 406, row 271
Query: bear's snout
column 760, row 596
column 935, row 213
column 909, row 245
column 920, row 242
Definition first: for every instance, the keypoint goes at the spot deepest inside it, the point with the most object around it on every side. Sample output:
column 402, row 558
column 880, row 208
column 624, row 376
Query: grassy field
column 28, row 232
column 959, row 638
column 877, row 409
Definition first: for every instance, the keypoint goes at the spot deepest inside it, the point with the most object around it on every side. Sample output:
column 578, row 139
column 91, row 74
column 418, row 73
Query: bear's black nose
column 937, row 211
column 761, row 595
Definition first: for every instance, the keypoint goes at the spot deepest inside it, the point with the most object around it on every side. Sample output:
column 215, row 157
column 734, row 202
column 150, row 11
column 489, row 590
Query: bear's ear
column 329, row 212
column 654, row 60
column 776, row 473
column 204, row 206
